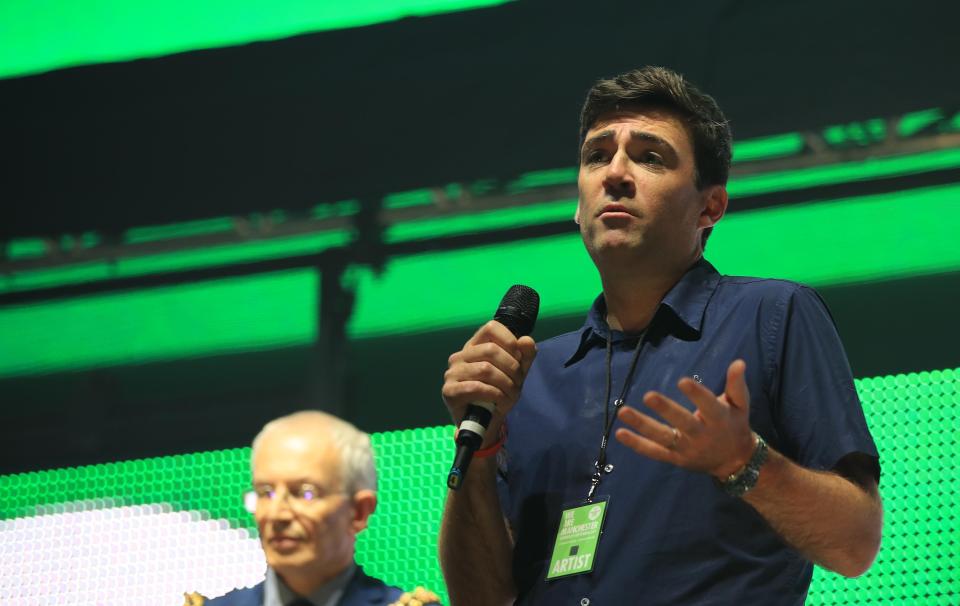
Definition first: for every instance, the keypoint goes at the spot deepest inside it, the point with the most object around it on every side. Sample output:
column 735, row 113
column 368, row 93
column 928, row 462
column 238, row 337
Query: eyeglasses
column 298, row 496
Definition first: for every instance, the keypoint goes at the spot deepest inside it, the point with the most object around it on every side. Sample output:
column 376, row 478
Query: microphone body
column 518, row 312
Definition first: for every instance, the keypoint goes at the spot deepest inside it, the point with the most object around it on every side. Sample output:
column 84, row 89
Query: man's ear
column 714, row 205
column 364, row 504
column 576, row 214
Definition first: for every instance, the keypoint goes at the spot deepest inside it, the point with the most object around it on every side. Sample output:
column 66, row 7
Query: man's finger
column 495, row 332
column 496, row 356
column 736, row 391
column 644, row 446
column 672, row 413
column 481, row 372
column 705, row 400
column 463, row 392
column 528, row 351
column 646, row 426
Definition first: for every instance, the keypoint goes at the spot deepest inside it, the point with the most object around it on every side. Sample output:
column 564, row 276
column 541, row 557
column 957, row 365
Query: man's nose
column 618, row 181
column 279, row 507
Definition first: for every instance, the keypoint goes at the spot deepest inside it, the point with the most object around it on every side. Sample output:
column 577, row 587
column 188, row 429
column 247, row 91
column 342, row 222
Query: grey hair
column 357, row 467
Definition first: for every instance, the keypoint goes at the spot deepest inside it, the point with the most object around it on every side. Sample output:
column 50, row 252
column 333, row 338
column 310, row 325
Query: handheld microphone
column 518, row 312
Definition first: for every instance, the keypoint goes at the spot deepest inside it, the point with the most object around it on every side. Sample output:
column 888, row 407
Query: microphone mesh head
column 518, row 310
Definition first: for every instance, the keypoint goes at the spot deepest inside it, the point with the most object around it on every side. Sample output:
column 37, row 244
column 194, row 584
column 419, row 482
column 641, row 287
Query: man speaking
column 699, row 440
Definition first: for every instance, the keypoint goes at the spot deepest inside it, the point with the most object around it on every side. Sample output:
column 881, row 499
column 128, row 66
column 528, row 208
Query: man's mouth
column 284, row 542
column 615, row 209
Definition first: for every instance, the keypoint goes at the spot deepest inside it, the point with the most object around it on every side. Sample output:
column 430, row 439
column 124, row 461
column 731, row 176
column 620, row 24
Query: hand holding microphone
column 484, row 378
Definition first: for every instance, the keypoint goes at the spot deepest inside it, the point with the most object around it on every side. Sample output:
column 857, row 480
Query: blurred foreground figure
column 314, row 490
column 699, row 440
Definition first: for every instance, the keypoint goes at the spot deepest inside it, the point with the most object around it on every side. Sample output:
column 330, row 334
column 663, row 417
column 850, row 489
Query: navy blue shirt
column 671, row 536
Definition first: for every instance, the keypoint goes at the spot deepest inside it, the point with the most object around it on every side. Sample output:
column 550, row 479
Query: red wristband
column 492, row 449
column 495, row 448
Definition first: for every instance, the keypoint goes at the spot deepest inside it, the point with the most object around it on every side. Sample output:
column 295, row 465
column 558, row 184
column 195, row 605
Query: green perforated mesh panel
column 915, row 419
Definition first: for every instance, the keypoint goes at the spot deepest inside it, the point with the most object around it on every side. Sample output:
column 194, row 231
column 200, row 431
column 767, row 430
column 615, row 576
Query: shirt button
column 584, row 601
column 607, row 468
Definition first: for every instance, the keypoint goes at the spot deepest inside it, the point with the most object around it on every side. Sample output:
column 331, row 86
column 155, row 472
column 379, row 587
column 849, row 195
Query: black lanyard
column 608, row 419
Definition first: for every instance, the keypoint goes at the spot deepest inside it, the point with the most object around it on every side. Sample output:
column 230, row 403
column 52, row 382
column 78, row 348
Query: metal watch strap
column 739, row 483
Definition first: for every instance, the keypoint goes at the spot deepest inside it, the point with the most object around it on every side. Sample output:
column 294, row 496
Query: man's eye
column 652, row 158
column 265, row 492
column 594, row 156
column 308, row 493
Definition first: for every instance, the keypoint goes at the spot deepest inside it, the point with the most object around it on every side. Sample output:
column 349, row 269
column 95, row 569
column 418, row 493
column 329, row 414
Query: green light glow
column 866, row 132
column 257, row 312
column 139, row 235
column 75, row 273
column 42, row 35
column 233, row 253
column 557, row 267
column 343, row 208
column 868, row 238
column 26, row 248
column 518, row 216
column 766, row 148
column 872, row 168
column 954, row 124
column 857, row 239
column 225, row 254
column 910, row 124
column 543, row 178
column 404, row 199
column 919, row 487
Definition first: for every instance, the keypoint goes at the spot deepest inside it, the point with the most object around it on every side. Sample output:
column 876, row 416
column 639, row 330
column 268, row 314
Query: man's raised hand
column 491, row 367
column 715, row 438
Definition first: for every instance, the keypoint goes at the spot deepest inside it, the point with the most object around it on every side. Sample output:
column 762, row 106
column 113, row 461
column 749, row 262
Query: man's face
column 637, row 189
column 307, row 523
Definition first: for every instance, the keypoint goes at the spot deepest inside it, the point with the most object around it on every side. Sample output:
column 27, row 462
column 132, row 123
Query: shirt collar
column 276, row 592
column 686, row 302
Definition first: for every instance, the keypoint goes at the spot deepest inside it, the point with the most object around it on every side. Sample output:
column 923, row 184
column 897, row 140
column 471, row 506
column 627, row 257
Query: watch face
column 738, row 484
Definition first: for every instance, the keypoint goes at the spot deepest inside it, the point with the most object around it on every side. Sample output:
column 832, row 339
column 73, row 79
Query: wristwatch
column 739, row 483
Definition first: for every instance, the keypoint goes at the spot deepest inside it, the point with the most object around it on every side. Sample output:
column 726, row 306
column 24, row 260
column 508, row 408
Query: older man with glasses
column 314, row 490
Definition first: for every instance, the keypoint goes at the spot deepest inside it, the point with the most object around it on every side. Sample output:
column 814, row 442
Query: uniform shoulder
column 248, row 596
column 770, row 296
column 394, row 596
column 377, row 591
column 765, row 288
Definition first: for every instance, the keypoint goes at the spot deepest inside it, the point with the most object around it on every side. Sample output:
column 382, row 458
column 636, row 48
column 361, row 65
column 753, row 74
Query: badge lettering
column 571, row 563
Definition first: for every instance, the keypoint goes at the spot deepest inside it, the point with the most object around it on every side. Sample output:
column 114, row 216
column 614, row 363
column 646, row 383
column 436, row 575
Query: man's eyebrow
column 597, row 138
column 652, row 138
column 293, row 481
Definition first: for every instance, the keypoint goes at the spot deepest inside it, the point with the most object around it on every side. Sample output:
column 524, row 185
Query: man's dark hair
column 664, row 89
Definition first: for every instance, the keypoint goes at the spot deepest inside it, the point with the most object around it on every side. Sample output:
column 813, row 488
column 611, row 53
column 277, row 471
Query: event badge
column 577, row 539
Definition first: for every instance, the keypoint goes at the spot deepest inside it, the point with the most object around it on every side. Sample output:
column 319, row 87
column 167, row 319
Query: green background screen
column 913, row 418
